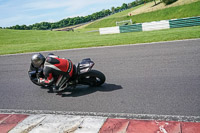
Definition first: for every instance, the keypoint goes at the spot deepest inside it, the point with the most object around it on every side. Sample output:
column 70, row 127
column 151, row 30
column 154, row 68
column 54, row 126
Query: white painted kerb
column 59, row 124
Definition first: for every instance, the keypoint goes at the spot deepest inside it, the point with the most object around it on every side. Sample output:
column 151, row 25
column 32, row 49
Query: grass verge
column 15, row 41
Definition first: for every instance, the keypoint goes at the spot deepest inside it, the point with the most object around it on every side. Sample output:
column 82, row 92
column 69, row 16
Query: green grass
column 16, row 41
column 188, row 10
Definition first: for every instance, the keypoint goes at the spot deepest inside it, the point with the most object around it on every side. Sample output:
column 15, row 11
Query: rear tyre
column 94, row 78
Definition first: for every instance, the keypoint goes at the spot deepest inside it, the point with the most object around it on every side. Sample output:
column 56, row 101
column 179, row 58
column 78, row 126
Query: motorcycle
column 82, row 75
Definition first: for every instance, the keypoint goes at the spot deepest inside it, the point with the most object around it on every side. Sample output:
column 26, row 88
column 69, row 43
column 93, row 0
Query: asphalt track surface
column 159, row 78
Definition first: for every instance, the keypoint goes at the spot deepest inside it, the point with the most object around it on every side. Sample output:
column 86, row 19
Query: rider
column 56, row 70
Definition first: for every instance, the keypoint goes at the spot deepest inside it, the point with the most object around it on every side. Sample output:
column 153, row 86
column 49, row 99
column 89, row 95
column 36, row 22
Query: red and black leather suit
column 56, row 70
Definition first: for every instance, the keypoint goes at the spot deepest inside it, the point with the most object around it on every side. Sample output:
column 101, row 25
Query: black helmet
column 37, row 60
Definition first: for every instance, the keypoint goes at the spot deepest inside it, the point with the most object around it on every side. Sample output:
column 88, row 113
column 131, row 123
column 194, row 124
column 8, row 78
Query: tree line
column 78, row 20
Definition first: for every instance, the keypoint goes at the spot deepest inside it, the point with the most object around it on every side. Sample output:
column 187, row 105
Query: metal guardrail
column 130, row 28
column 184, row 22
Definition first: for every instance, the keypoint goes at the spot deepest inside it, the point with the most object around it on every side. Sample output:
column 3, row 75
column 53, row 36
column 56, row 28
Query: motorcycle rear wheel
column 94, row 78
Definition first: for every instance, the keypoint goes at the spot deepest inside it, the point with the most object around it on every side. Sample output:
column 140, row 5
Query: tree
column 17, row 27
column 154, row 1
column 129, row 5
column 107, row 12
column 118, row 9
column 53, row 26
column 113, row 9
column 87, row 18
column 76, row 20
column 133, row 4
column 34, row 28
column 65, row 22
column 167, row 2
column 124, row 6
column 24, row 27
column 45, row 26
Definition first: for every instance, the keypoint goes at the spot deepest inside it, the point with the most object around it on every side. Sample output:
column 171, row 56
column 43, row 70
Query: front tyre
column 94, row 78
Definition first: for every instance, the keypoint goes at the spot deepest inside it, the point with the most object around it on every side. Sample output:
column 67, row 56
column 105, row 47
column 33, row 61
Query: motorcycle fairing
column 85, row 65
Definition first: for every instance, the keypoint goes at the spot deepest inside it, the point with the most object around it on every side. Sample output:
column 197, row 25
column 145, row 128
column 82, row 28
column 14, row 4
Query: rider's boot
column 55, row 89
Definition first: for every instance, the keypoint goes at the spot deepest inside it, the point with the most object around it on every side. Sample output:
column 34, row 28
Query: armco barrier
column 159, row 25
column 130, row 28
column 109, row 30
column 184, row 22
column 156, row 25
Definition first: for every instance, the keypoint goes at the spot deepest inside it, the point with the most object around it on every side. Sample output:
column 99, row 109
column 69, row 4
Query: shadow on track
column 83, row 90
